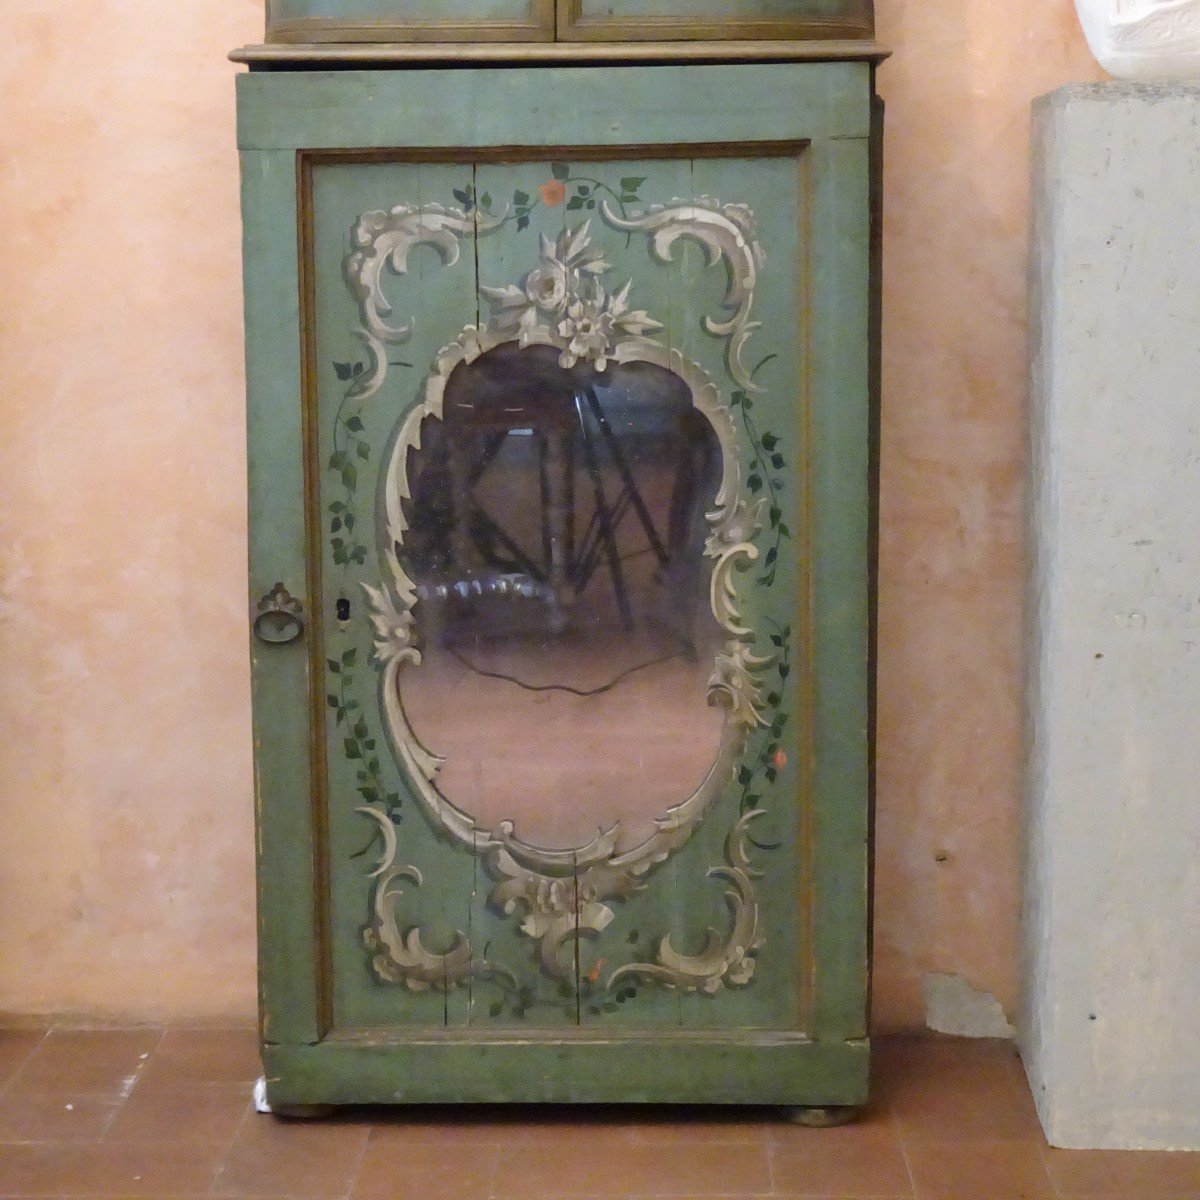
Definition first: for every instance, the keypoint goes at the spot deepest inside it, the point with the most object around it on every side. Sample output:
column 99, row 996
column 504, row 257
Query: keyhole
column 343, row 609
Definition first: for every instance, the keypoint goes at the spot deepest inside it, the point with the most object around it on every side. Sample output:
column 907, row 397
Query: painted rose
column 550, row 286
column 779, row 760
column 553, row 193
column 565, row 301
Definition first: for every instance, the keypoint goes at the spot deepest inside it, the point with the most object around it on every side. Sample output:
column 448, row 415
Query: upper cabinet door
column 672, row 20
column 410, row 20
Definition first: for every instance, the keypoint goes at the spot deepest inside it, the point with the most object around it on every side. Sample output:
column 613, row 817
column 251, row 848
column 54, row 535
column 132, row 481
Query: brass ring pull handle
column 279, row 617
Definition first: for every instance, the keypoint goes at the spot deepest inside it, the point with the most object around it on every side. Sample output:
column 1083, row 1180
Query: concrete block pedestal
column 1111, row 1027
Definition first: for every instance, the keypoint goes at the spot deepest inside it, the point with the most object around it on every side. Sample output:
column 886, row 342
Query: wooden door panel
column 554, row 771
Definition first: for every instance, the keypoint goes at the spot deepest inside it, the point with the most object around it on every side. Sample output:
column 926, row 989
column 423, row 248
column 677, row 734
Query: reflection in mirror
column 556, row 540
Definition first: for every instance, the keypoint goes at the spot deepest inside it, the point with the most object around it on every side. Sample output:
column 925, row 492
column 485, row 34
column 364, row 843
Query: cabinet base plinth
column 775, row 1070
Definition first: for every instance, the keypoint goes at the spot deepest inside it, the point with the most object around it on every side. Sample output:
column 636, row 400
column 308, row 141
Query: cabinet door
column 563, row 788
column 667, row 20
column 408, row 21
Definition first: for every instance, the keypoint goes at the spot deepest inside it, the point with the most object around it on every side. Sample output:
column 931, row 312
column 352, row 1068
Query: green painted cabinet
column 560, row 441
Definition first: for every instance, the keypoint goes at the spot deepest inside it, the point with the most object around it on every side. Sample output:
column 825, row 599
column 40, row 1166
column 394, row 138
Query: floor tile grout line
column 362, row 1158
column 79, row 1025
column 8, row 1083
column 495, row 1171
column 112, row 1117
column 898, row 1129
column 142, row 1063
column 1043, row 1147
column 248, row 1112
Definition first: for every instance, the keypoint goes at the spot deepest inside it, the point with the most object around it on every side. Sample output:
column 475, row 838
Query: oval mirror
column 555, row 529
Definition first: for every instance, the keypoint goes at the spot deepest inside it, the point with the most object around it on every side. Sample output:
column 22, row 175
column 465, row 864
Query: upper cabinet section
column 691, row 20
column 350, row 21
column 410, row 20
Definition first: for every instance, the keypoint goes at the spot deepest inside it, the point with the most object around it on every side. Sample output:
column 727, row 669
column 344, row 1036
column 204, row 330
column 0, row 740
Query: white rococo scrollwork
column 726, row 231
column 400, row 957
column 385, row 239
column 724, row 961
column 562, row 894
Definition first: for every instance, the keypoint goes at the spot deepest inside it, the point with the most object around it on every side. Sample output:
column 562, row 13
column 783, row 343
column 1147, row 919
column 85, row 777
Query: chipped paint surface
column 954, row 1007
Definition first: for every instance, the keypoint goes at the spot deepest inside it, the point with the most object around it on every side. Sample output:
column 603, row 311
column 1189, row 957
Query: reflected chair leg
column 558, row 517
column 544, row 501
column 607, row 532
column 460, row 490
column 619, row 461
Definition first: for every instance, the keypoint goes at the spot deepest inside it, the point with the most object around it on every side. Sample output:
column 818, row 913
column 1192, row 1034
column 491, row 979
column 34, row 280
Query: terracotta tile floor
column 165, row 1114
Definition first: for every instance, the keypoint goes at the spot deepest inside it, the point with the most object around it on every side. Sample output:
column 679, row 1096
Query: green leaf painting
column 352, row 449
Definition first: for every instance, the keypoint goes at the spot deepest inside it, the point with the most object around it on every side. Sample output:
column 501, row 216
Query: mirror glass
column 556, row 533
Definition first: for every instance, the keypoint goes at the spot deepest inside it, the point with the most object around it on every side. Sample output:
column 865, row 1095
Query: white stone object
column 1110, row 1030
column 1144, row 39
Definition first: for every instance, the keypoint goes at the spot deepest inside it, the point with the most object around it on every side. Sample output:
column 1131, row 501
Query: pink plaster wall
column 948, row 827
column 126, row 844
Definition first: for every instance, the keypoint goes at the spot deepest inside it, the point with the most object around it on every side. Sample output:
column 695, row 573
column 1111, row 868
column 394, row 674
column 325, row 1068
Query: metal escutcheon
column 279, row 617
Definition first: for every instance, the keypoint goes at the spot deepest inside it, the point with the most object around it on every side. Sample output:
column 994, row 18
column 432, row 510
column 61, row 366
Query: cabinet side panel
column 286, row 913
column 840, row 546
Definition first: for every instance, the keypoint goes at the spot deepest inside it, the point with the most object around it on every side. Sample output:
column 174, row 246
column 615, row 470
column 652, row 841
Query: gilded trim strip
column 313, row 583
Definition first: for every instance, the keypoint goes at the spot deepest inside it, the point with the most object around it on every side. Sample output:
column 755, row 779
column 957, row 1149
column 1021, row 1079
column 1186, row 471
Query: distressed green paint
column 286, row 905
column 769, row 595
column 839, row 424
column 813, row 407
column 704, row 1069
column 553, row 106
column 340, row 196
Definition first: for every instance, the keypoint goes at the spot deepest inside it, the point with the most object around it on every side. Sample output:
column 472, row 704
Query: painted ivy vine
column 359, row 742
column 349, row 448
column 589, row 996
column 579, row 193
column 762, row 767
column 766, row 466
